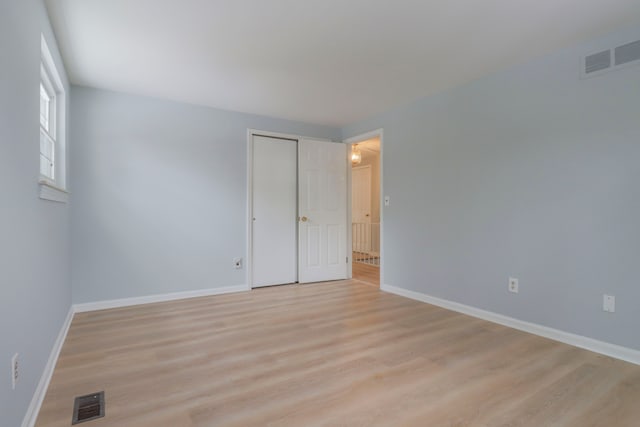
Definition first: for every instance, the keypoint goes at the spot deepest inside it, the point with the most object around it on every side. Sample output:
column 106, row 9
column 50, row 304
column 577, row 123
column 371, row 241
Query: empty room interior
column 319, row 213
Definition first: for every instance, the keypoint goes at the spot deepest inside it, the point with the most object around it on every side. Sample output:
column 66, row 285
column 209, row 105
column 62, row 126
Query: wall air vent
column 597, row 62
column 627, row 53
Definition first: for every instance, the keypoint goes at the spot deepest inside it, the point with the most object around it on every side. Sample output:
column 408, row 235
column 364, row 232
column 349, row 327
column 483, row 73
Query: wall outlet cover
column 237, row 263
column 513, row 285
column 15, row 371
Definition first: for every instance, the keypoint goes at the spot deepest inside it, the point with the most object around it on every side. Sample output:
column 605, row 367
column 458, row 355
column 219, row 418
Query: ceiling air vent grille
column 597, row 62
column 623, row 56
column 627, row 53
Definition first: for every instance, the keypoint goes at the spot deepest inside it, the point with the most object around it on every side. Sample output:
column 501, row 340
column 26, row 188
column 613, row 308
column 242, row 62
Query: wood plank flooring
column 330, row 354
column 369, row 274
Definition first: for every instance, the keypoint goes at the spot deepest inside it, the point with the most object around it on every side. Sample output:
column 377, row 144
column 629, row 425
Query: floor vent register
column 88, row 407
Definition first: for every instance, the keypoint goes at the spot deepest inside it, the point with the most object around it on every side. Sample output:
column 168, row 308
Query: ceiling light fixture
column 356, row 155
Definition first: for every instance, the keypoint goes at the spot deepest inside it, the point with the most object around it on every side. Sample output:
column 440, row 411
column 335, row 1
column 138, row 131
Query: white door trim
column 249, row 228
column 354, row 140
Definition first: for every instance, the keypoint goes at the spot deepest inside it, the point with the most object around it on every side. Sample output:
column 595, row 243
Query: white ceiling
column 329, row 62
column 372, row 145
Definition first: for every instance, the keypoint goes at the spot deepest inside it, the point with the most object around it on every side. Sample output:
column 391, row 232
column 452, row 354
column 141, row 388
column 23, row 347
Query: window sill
column 50, row 192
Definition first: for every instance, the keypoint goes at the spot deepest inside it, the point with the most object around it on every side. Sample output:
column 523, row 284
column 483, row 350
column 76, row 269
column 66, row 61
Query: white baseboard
column 126, row 302
column 612, row 350
column 36, row 401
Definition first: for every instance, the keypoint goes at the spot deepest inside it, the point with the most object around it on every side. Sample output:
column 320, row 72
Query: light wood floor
column 369, row 274
column 331, row 354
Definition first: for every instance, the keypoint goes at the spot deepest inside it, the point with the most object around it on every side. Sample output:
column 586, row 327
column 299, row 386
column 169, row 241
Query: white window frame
column 49, row 132
column 53, row 189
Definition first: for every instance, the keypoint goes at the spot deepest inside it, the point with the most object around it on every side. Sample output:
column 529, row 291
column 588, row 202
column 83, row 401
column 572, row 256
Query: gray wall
column 159, row 194
column 531, row 173
column 35, row 293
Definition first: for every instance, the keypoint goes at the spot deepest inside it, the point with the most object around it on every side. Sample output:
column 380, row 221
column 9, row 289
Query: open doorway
column 365, row 210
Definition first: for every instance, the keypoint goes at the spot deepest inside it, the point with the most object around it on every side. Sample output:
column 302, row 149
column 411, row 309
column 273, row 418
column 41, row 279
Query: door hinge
column 347, row 260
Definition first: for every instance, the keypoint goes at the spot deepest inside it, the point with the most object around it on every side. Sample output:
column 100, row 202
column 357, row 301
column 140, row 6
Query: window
column 52, row 129
column 47, row 133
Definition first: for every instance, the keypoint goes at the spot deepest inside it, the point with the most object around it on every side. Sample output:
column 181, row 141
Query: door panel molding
column 322, row 172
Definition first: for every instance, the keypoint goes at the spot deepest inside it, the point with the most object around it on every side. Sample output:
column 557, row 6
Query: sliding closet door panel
column 274, row 256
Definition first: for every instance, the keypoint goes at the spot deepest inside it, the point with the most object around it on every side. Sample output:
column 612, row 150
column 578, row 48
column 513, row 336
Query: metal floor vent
column 88, row 407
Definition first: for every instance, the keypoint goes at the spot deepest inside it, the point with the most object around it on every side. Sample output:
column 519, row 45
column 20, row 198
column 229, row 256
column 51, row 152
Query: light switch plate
column 609, row 303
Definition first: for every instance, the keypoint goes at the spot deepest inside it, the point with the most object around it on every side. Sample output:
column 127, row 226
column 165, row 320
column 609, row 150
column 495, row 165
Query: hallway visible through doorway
column 368, row 274
column 365, row 210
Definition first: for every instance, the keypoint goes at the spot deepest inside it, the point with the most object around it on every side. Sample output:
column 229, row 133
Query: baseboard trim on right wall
column 623, row 353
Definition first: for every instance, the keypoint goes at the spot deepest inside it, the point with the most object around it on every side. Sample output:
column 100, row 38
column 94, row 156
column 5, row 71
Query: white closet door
column 322, row 176
column 275, row 254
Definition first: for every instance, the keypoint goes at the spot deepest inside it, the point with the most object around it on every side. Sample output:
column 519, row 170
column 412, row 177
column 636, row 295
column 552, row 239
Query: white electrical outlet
column 237, row 263
column 513, row 285
column 15, row 371
column 609, row 303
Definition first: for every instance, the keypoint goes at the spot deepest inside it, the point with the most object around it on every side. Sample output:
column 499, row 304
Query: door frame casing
column 354, row 140
column 249, row 225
